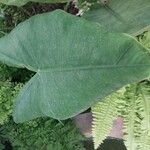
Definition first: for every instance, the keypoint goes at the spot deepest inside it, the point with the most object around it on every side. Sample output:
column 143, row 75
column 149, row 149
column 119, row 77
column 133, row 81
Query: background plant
column 8, row 91
column 43, row 133
column 23, row 2
column 112, row 14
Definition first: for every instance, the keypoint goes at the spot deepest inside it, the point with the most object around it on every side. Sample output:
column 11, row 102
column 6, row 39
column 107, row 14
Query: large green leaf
column 76, row 63
column 129, row 16
column 23, row 2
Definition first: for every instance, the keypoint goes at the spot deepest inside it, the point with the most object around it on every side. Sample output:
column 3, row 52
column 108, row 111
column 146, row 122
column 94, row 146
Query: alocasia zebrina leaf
column 129, row 16
column 23, row 2
column 76, row 63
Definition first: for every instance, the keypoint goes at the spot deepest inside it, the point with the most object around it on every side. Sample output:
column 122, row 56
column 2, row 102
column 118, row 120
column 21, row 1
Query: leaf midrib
column 91, row 67
column 78, row 68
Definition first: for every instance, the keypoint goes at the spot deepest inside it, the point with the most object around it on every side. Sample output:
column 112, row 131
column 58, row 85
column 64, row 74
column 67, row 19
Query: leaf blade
column 77, row 62
column 128, row 17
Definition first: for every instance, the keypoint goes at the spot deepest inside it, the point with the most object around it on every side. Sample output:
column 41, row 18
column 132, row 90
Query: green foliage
column 14, row 75
column 104, row 113
column 11, row 82
column 13, row 16
column 41, row 133
column 145, row 39
column 132, row 103
column 61, row 89
column 1, row 24
column 23, row 2
column 64, row 86
column 113, row 15
column 131, row 113
column 136, row 114
column 44, row 134
column 134, row 106
column 4, row 73
column 143, row 141
column 7, row 93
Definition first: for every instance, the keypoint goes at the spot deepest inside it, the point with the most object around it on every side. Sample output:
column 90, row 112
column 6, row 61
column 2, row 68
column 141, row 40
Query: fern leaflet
column 104, row 113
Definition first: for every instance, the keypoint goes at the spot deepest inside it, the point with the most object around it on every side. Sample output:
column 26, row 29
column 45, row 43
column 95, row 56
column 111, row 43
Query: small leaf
column 130, row 16
column 76, row 63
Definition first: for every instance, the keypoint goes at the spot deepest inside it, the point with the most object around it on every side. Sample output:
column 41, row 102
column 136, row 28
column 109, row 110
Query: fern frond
column 145, row 94
column 136, row 114
column 131, row 117
column 144, row 140
column 133, row 104
column 104, row 113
